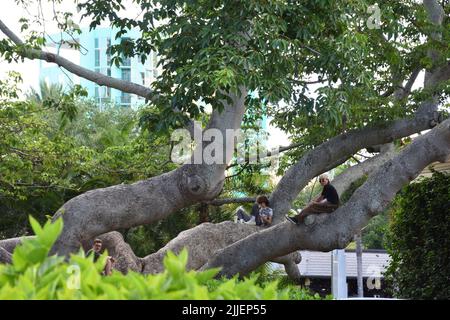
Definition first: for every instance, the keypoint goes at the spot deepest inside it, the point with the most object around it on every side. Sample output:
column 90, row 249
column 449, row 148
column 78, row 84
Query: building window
column 125, row 98
column 96, row 43
column 143, row 78
column 97, row 57
column 126, row 74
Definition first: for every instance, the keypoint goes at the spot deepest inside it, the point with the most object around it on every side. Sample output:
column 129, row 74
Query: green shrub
column 35, row 275
column 419, row 241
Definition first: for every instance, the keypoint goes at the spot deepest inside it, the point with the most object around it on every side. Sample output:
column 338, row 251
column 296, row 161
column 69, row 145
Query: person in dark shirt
column 96, row 251
column 96, row 248
column 327, row 202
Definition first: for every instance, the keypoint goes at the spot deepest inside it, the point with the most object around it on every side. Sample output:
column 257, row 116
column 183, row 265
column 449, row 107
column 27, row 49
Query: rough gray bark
column 7, row 247
column 293, row 271
column 96, row 77
column 343, row 181
column 203, row 241
column 10, row 244
column 331, row 231
column 123, row 206
column 5, row 256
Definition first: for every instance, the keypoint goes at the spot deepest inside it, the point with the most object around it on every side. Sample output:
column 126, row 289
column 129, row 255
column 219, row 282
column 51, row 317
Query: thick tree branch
column 220, row 202
column 343, row 146
column 331, row 231
column 343, row 181
column 436, row 15
column 201, row 242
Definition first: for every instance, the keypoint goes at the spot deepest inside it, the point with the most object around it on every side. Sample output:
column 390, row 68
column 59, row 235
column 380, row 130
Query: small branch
column 269, row 154
column 220, row 202
column 310, row 49
column 303, row 82
column 239, row 172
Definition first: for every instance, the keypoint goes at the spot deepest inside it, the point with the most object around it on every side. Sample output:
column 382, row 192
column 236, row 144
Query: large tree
column 246, row 58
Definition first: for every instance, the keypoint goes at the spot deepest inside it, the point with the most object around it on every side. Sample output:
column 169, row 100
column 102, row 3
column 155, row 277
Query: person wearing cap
column 326, row 202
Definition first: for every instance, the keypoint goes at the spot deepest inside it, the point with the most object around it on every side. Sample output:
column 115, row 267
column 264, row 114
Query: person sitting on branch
column 327, row 202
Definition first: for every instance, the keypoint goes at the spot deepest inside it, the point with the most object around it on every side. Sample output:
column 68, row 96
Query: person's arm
column 265, row 219
column 268, row 217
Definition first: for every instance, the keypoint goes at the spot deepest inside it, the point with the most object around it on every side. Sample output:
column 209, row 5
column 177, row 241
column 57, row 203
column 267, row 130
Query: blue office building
column 94, row 55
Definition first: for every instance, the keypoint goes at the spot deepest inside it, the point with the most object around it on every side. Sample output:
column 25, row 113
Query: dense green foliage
column 35, row 275
column 47, row 160
column 374, row 235
column 418, row 240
